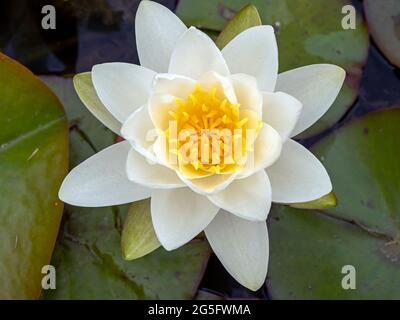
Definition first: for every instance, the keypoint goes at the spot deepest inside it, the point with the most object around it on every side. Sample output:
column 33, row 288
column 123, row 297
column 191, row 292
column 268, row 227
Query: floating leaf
column 89, row 263
column 308, row 32
column 138, row 235
column 325, row 202
column 363, row 162
column 308, row 252
column 87, row 135
column 246, row 18
column 33, row 162
column 88, row 256
column 362, row 231
column 384, row 24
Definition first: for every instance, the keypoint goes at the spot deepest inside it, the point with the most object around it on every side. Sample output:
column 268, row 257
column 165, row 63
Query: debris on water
column 16, row 242
column 277, row 26
column 33, row 154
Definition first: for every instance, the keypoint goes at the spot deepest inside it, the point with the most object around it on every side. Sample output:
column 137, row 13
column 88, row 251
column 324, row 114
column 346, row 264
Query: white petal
column 242, row 246
column 122, row 87
column 179, row 215
column 315, row 86
column 159, row 107
column 139, row 130
column 248, row 198
column 254, row 52
column 151, row 175
column 298, row 176
column 211, row 79
column 195, row 54
column 281, row 111
column 157, row 30
column 267, row 149
column 247, row 92
column 208, row 185
column 160, row 148
column 101, row 180
column 172, row 84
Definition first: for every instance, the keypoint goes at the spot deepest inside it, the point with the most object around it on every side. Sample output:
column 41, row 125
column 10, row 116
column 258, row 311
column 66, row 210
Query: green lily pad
column 384, row 24
column 89, row 263
column 308, row 32
column 362, row 231
column 88, row 257
column 33, row 162
column 87, row 134
column 308, row 252
column 367, row 152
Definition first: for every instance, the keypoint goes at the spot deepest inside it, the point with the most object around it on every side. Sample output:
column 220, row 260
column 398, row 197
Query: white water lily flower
column 184, row 79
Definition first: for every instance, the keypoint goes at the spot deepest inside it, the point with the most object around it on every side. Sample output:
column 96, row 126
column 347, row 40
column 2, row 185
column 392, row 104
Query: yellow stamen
column 213, row 152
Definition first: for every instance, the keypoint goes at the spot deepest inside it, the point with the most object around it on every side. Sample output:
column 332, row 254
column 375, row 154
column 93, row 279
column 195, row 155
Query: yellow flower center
column 209, row 134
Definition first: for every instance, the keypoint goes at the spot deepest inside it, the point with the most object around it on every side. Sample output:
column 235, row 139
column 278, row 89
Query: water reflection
column 87, row 32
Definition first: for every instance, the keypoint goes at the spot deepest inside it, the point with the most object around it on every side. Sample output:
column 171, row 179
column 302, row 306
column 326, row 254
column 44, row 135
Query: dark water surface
column 94, row 31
